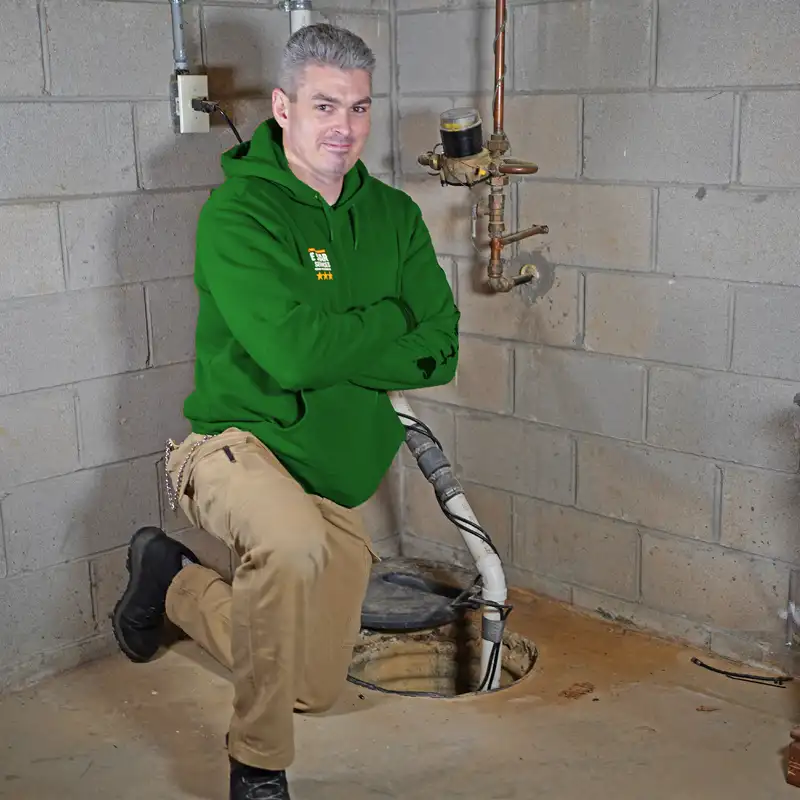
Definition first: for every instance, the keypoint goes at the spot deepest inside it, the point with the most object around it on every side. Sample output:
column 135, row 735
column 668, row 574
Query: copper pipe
column 500, row 65
column 518, row 169
column 534, row 230
column 495, row 264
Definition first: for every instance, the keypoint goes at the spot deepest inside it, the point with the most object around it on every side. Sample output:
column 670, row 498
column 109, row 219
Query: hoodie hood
column 264, row 157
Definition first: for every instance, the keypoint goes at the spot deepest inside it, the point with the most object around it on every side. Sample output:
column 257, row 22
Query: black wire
column 232, row 126
column 418, row 426
column 744, row 676
column 209, row 107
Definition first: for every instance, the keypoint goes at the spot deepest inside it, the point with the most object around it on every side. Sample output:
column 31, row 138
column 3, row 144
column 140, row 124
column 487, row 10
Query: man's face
column 326, row 126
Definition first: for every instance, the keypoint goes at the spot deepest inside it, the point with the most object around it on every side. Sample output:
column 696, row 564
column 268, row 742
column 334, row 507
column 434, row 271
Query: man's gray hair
column 322, row 45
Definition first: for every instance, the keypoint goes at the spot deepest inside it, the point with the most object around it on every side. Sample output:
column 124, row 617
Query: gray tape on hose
column 492, row 630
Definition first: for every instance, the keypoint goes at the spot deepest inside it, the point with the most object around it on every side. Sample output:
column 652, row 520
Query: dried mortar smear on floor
column 124, row 731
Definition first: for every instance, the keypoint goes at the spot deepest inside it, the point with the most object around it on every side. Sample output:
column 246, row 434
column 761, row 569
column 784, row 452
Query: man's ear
column 280, row 107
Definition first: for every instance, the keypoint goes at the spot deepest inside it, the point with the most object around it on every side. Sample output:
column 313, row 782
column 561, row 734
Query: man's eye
column 323, row 107
column 360, row 109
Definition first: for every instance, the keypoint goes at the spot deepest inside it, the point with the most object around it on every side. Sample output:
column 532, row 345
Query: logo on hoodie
column 322, row 264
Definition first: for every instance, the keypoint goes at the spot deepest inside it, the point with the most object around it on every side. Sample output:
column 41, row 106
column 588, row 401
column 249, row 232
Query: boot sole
column 133, row 564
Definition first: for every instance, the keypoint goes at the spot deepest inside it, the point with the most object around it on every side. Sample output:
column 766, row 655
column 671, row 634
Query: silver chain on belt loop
column 172, row 494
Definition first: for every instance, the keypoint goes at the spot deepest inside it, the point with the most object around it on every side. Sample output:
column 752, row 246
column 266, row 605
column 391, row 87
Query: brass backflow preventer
column 465, row 160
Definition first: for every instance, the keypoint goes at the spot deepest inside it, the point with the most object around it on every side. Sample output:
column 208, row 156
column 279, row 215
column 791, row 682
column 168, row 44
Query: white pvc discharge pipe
column 487, row 562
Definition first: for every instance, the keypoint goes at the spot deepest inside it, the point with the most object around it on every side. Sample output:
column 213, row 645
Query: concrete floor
column 655, row 726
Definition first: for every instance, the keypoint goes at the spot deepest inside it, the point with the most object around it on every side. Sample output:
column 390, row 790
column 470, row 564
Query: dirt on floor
column 605, row 713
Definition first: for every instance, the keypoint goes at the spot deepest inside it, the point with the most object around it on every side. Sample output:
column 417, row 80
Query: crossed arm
column 428, row 354
column 398, row 343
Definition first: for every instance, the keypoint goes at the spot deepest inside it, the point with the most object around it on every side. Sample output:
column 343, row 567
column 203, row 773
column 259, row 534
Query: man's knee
column 299, row 554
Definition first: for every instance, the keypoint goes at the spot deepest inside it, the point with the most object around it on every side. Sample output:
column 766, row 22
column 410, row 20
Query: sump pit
column 444, row 662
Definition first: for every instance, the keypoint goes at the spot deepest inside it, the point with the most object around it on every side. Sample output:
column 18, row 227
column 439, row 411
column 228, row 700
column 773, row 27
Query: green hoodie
column 309, row 313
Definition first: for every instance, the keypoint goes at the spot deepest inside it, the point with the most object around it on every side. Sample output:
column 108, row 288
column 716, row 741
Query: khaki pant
column 287, row 626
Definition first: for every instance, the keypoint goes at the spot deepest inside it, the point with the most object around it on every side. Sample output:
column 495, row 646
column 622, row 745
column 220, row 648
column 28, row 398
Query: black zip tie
column 743, row 676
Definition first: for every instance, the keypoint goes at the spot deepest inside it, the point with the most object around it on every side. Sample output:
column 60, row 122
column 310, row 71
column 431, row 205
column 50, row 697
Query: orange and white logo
column 322, row 264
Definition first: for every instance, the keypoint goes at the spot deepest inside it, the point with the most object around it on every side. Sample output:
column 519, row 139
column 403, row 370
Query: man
column 319, row 292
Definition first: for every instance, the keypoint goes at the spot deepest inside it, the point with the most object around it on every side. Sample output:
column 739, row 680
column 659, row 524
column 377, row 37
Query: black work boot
column 138, row 620
column 251, row 783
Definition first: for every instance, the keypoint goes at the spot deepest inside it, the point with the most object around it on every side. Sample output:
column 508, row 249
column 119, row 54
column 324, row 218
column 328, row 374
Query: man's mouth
column 338, row 147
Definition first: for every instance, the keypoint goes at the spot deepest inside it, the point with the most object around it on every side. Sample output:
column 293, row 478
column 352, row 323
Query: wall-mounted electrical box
column 191, row 87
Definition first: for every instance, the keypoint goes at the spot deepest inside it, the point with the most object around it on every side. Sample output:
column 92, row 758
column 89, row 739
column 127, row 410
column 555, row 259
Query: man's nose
column 343, row 125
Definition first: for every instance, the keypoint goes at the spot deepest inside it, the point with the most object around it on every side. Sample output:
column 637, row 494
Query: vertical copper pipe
column 499, row 64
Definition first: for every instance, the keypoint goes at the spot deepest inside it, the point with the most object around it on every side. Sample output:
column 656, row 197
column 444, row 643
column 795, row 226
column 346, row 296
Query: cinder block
column 521, row 315
column 78, row 514
column 713, row 585
column 48, row 341
column 425, row 519
column 109, row 577
column 169, row 160
column 447, row 212
column 576, row 390
column 49, row 663
column 761, row 513
column 21, row 71
column 125, row 416
column 173, row 313
column 438, row 552
column 377, row 155
column 544, row 129
column 732, row 417
column 142, row 237
column 742, row 236
column 30, row 259
column 590, row 225
column 99, row 157
column 766, row 333
column 425, row 5
column 658, row 137
column 639, row 617
column 44, row 611
column 538, row 584
column 659, row 318
column 746, row 650
column 655, row 488
column 576, row 547
column 171, row 521
column 38, row 436
column 457, row 58
column 728, row 42
column 243, row 49
column 769, row 153
column 586, row 44
column 419, row 130
column 383, row 512
column 515, row 456
column 484, row 378
column 375, row 30
column 94, row 51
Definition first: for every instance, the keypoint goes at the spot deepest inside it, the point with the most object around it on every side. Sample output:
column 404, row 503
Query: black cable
column 744, row 676
column 230, row 123
column 418, row 426
column 209, row 107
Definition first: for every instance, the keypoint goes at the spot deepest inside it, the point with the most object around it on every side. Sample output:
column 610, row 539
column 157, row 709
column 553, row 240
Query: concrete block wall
column 98, row 205
column 629, row 438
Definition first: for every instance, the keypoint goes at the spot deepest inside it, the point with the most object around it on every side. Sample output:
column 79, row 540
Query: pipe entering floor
column 444, row 662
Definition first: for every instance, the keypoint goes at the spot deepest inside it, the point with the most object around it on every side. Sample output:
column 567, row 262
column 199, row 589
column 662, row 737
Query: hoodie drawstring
column 353, row 226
